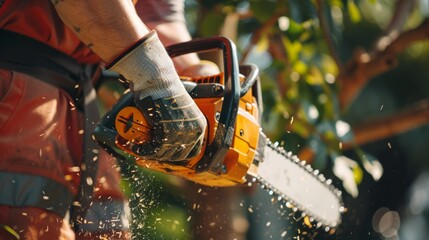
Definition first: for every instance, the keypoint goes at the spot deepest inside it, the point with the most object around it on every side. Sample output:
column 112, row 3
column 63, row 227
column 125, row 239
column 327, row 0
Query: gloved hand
column 178, row 124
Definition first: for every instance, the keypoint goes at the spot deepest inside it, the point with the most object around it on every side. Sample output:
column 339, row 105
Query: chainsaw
column 235, row 150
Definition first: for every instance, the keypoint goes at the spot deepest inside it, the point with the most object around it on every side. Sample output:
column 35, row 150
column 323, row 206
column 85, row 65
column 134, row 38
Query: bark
column 383, row 57
column 364, row 65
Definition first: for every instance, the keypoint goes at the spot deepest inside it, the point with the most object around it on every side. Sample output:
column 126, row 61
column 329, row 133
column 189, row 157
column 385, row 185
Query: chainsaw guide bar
column 283, row 174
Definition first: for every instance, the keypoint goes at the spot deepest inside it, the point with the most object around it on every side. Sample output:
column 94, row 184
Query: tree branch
column 383, row 57
column 277, row 50
column 263, row 29
column 364, row 66
column 402, row 11
column 408, row 119
column 412, row 117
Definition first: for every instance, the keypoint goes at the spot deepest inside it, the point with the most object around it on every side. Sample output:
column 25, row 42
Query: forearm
column 167, row 18
column 108, row 27
column 176, row 32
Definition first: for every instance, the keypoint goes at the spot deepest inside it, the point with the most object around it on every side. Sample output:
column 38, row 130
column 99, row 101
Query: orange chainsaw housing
column 131, row 126
column 231, row 104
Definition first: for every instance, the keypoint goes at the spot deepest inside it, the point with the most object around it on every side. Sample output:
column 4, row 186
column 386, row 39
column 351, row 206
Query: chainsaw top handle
column 215, row 152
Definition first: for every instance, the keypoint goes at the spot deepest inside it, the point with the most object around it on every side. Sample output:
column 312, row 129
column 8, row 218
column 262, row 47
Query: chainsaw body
column 230, row 103
column 234, row 146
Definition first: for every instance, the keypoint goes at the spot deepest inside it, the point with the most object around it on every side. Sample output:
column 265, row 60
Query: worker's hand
column 178, row 127
column 177, row 118
column 178, row 124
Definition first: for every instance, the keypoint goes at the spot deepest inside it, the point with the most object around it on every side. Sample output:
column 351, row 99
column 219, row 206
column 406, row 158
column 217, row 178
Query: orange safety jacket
column 22, row 183
column 39, row 20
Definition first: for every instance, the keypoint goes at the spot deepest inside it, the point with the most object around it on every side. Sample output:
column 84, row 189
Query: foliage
column 299, row 89
column 302, row 47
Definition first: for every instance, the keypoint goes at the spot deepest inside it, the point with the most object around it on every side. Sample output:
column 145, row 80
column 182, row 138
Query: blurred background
column 345, row 87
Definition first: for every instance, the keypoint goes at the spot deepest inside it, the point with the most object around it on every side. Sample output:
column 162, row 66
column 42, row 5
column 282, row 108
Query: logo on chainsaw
column 131, row 124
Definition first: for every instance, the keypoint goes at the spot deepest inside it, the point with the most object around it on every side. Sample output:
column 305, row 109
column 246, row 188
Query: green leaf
column 338, row 3
column 262, row 44
column 354, row 12
column 263, row 9
column 295, row 30
column 292, row 48
column 211, row 23
column 371, row 164
column 314, row 76
column 328, row 65
column 300, row 67
column 358, row 174
column 292, row 92
column 10, row 230
column 349, row 172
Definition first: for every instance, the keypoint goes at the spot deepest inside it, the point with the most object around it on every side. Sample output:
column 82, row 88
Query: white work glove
column 178, row 124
